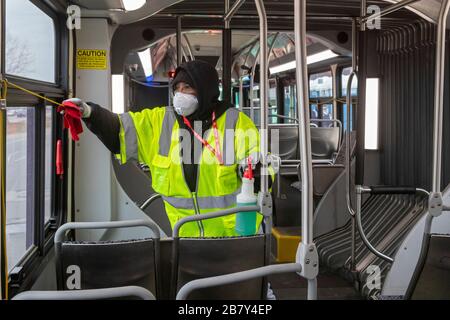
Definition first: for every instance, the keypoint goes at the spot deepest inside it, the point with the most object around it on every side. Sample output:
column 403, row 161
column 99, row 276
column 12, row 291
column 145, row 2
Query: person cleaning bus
column 195, row 150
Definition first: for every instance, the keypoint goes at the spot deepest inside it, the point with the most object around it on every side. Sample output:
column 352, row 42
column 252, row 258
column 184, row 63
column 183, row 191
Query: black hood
column 206, row 81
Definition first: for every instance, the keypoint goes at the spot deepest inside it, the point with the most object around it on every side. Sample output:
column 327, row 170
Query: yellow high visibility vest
column 153, row 137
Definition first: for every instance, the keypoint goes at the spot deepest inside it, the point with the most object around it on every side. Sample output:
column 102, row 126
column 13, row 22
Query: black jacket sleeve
column 105, row 125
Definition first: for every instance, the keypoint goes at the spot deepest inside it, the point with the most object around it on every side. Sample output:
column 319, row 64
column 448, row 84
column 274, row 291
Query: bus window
column 327, row 114
column 320, row 92
column 290, row 102
column 19, row 186
column 30, row 41
column 321, row 85
column 273, row 105
column 314, row 112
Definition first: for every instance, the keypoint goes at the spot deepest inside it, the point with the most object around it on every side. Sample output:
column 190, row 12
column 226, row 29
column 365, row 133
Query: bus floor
column 329, row 287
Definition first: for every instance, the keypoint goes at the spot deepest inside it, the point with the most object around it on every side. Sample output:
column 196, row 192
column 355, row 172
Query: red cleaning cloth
column 72, row 119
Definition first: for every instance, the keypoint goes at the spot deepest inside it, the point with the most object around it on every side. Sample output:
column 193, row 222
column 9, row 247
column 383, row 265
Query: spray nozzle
column 248, row 174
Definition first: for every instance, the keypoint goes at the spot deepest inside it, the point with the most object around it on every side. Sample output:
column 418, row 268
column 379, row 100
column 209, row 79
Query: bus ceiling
column 123, row 12
column 207, row 44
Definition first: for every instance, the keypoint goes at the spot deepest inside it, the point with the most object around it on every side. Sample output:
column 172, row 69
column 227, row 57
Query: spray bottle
column 246, row 221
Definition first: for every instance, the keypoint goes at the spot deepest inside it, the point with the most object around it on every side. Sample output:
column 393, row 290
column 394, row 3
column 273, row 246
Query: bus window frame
column 28, row 268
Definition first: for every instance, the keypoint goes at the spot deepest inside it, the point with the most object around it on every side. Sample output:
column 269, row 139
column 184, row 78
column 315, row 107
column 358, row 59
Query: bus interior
column 350, row 97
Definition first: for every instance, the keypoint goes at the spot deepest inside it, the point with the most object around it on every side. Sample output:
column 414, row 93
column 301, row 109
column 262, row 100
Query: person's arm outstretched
column 102, row 122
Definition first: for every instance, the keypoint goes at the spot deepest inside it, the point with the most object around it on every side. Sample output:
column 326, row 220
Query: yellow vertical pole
column 3, row 257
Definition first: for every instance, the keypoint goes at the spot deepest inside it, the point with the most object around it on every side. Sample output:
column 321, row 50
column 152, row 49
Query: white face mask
column 185, row 104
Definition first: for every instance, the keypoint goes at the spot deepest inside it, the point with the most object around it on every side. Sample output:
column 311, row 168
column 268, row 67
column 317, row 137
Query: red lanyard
column 216, row 152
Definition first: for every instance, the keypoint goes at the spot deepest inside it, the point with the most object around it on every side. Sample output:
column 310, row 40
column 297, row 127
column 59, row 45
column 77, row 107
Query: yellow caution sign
column 92, row 59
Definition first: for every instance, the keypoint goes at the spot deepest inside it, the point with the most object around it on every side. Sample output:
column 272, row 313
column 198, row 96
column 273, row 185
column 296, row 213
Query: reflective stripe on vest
column 166, row 131
column 203, row 202
column 228, row 139
column 130, row 136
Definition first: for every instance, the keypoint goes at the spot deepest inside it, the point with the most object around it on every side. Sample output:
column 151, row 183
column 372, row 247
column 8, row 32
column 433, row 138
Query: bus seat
column 103, row 264
column 166, row 265
column 130, row 292
column 324, row 176
column 386, row 220
column 288, row 141
column 433, row 281
column 325, row 142
column 207, row 257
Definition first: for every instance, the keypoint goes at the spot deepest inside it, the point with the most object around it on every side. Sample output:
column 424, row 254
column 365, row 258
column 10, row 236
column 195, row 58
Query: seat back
column 207, row 257
column 325, row 142
column 323, row 177
column 288, row 141
column 108, row 264
column 103, row 264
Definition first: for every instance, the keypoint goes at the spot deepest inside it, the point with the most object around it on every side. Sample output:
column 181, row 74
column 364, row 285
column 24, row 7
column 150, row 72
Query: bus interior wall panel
column 406, row 108
column 93, row 196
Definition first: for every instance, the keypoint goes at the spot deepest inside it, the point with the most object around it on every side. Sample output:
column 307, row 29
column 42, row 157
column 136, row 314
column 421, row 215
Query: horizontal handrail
column 393, row 190
column 236, row 277
column 91, row 294
column 60, row 233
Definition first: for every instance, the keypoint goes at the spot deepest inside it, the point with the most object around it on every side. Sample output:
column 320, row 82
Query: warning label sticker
column 91, row 59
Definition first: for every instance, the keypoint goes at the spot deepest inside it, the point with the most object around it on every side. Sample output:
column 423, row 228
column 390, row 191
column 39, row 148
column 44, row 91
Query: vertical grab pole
column 263, row 94
column 241, row 93
column 349, row 147
column 435, row 203
column 3, row 253
column 3, row 256
column 226, row 58
column 179, row 44
column 264, row 196
column 439, row 96
column 307, row 253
